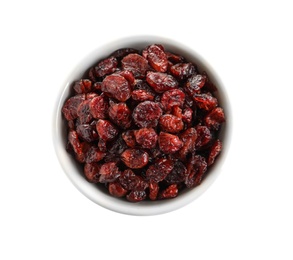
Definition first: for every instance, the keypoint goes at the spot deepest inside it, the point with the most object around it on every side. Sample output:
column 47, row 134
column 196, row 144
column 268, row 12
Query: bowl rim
column 144, row 208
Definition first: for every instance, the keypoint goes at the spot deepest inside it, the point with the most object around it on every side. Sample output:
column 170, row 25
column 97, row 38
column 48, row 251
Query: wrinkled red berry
column 136, row 196
column 142, row 95
column 69, row 109
column 171, row 98
column 187, row 115
column 99, row 107
column 109, row 172
column 204, row 136
column 106, row 67
column 196, row 168
column 161, row 82
column 182, row 70
column 160, row 169
column 153, row 190
column 135, row 63
column 129, row 138
column 135, row 158
column 147, row 114
column 205, row 101
column 82, row 86
column 188, row 138
column 116, row 190
column 169, row 192
column 117, row 87
column 130, row 181
column 106, row 130
column 169, row 143
column 120, row 114
column 171, row 124
column 174, row 57
column 83, row 112
column 157, row 58
column 215, row 118
column 195, row 83
column 92, row 172
column 214, row 152
column 87, row 132
column 178, row 174
column 123, row 52
column 94, row 155
column 146, row 137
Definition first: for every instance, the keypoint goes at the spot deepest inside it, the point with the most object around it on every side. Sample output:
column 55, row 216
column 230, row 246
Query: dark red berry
column 129, row 138
column 171, row 124
column 109, row 172
column 194, row 84
column 136, row 196
column 106, row 67
column 170, row 192
column 135, row 63
column 116, row 190
column 205, row 101
column 157, row 58
column 135, row 158
column 147, row 114
column 214, row 152
column 182, row 70
column 106, row 130
column 153, row 190
column 169, row 143
column 215, row 118
column 146, row 137
column 160, row 169
column 161, row 82
column 82, row 86
column 91, row 172
column 69, row 109
column 171, row 98
column 120, row 114
column 99, row 107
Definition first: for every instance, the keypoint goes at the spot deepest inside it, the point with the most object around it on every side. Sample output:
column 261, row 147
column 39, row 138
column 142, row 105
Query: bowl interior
column 74, row 170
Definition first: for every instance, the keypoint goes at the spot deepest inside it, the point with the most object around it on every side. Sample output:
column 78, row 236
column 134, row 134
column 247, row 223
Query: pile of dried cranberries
column 145, row 124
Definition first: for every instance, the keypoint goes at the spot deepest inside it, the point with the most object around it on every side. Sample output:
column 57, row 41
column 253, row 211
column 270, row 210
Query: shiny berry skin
column 106, row 130
column 169, row 143
column 146, row 137
column 135, row 158
column 161, row 82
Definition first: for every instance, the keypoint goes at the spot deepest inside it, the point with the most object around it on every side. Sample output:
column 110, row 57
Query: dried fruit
column 135, row 63
column 146, row 137
column 160, row 169
column 147, row 114
column 106, row 130
column 106, row 66
column 144, row 126
column 116, row 86
column 161, row 82
column 169, row 143
column 120, row 114
column 82, row 86
column 215, row 118
column 157, row 58
column 214, row 152
column 135, row 158
column 171, row 124
column 171, row 98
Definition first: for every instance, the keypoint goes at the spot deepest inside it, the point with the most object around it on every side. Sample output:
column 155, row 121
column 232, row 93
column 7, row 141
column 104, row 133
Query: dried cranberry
column 123, row 52
column 87, row 132
column 171, row 98
column 169, row 143
column 99, row 107
column 109, row 172
column 196, row 168
column 94, row 155
column 117, row 87
column 83, row 112
column 161, row 82
column 142, row 95
column 116, row 190
column 204, row 136
column 160, row 169
column 187, row 115
column 215, row 118
column 106, row 130
column 136, row 196
column 69, row 109
column 129, row 138
column 147, row 114
column 130, row 181
column 170, row 192
column 120, row 114
column 170, row 123
column 135, row 63
column 214, row 152
column 175, row 58
column 178, row 174
column 82, row 86
column 146, row 137
column 157, row 58
column 205, row 101
column 153, row 190
column 195, row 83
column 182, row 70
column 135, row 158
column 189, row 138
column 91, row 172
column 106, row 67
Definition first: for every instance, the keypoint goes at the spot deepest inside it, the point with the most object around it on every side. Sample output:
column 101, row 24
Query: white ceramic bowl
column 74, row 171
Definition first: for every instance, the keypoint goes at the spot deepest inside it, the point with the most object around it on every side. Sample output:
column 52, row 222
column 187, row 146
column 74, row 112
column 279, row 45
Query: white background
column 246, row 214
